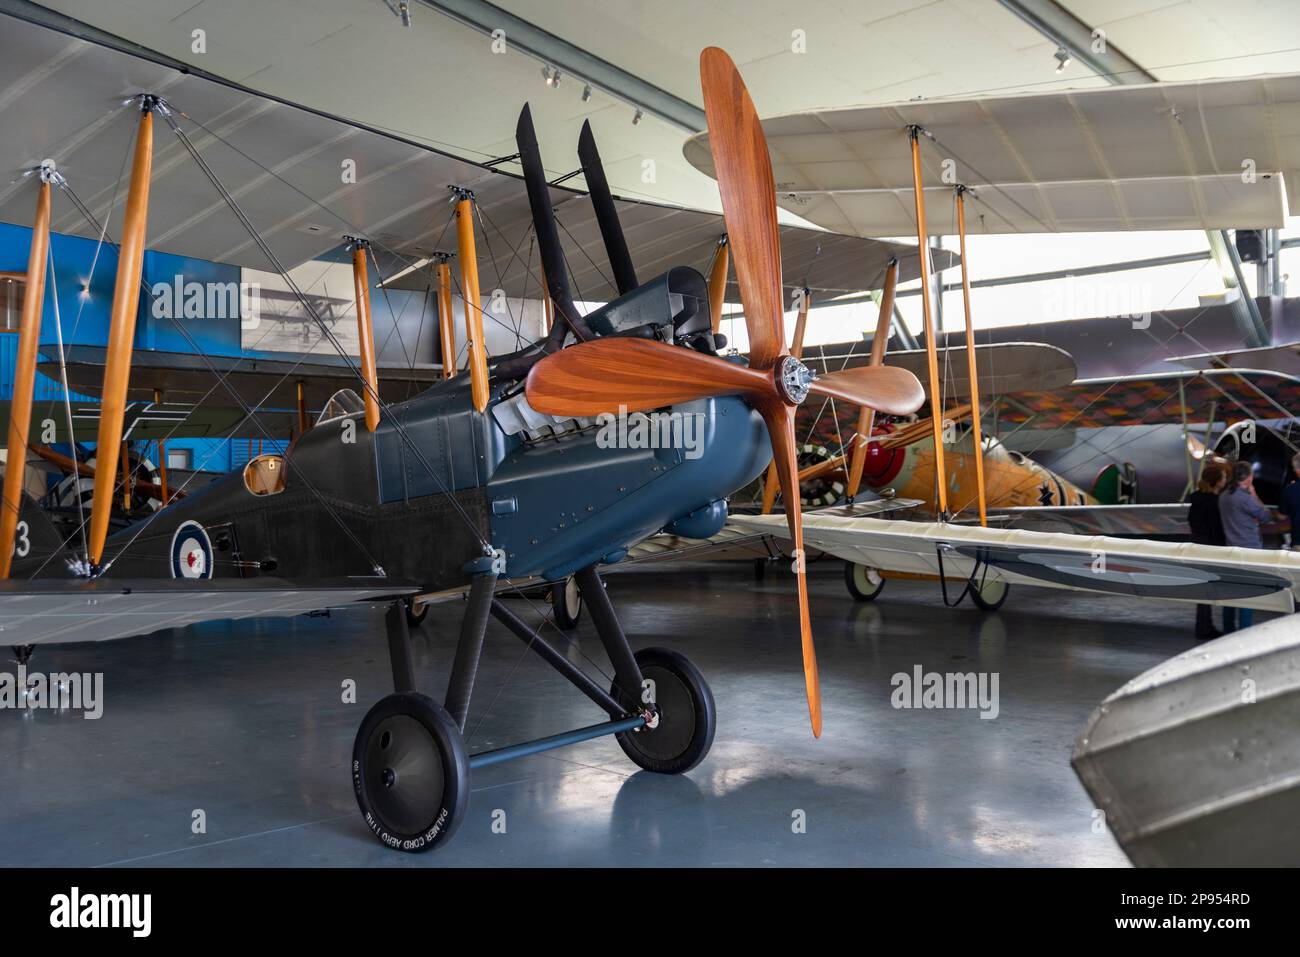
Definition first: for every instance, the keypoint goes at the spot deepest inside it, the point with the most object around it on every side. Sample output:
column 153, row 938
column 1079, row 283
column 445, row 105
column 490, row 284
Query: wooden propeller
column 604, row 375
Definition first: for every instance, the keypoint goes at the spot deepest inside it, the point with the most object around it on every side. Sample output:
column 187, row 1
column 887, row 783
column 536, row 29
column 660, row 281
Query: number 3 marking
column 22, row 544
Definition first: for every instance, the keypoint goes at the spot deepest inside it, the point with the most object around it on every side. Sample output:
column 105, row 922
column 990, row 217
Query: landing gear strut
column 410, row 765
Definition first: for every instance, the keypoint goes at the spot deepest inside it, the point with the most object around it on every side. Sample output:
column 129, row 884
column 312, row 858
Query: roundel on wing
column 191, row 552
column 1129, row 574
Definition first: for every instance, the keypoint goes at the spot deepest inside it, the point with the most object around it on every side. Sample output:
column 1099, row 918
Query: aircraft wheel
column 858, row 579
column 991, row 596
column 566, row 602
column 686, row 715
column 410, row 772
column 414, row 619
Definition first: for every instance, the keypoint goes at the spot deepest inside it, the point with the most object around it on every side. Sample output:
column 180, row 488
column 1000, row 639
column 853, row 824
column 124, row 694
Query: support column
column 931, row 336
column 977, row 434
column 20, row 411
column 121, row 334
column 365, row 329
column 473, row 306
column 300, row 390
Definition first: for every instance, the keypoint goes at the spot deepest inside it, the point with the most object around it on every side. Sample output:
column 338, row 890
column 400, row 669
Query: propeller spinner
column 589, row 378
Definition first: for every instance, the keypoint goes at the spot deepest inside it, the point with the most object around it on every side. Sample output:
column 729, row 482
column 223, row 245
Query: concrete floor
column 245, row 722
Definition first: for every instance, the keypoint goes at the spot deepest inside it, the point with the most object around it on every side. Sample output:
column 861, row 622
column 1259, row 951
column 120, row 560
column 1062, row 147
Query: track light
column 551, row 76
column 636, row 118
column 1063, row 59
column 586, row 93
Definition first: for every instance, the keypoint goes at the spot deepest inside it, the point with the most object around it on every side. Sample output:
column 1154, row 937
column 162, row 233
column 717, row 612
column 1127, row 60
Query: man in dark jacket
column 1207, row 529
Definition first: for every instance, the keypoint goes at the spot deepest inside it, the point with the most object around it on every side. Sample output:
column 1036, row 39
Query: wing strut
column 121, row 333
column 446, row 321
column 718, row 281
column 20, row 412
column 478, row 371
column 365, row 328
column 931, row 334
column 977, row 434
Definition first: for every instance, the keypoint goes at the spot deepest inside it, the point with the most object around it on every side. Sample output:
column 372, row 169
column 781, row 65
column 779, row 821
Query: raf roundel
column 191, row 552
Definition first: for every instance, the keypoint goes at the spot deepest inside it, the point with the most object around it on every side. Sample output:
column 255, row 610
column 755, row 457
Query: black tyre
column 686, row 715
column 414, row 619
column 410, row 772
column 566, row 603
column 857, row 578
column 991, row 596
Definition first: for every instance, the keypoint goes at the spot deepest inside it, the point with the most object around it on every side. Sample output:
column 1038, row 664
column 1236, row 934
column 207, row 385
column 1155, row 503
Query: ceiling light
column 636, row 118
column 1063, row 59
column 586, row 93
column 551, row 76
column 401, row 9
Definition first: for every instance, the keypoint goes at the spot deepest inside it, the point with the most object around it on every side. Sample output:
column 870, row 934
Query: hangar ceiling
column 438, row 81
column 63, row 98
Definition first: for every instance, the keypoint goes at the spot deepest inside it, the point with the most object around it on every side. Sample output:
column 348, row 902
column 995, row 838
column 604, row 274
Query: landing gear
column 566, row 603
column 990, row 595
column 410, row 765
column 410, row 772
column 414, row 619
column 863, row 583
column 681, row 731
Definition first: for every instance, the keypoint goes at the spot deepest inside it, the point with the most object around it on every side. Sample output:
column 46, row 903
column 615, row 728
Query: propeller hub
column 793, row 378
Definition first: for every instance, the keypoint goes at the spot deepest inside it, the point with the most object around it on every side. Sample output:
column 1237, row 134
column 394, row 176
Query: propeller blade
column 886, row 389
column 744, row 173
column 636, row 375
column 780, row 428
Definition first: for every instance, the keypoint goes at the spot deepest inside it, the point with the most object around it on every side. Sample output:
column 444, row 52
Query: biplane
column 478, row 483
column 1037, row 163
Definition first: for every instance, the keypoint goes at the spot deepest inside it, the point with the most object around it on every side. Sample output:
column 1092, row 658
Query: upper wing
column 1166, row 397
column 1245, row 577
column 1139, row 520
column 53, row 611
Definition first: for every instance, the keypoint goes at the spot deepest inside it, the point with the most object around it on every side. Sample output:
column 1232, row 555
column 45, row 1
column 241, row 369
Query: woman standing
column 1207, row 529
column 1242, row 514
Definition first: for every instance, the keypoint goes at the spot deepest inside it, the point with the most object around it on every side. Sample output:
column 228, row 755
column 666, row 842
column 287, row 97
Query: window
column 12, row 285
column 180, row 458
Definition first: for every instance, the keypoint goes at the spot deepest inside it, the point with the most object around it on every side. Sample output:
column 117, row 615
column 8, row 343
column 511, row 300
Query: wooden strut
column 300, row 390
column 20, row 412
column 931, row 347
column 866, row 416
column 478, row 373
column 718, row 281
column 148, row 489
column 977, row 434
column 121, row 335
column 365, row 331
column 446, row 320
column 770, row 482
